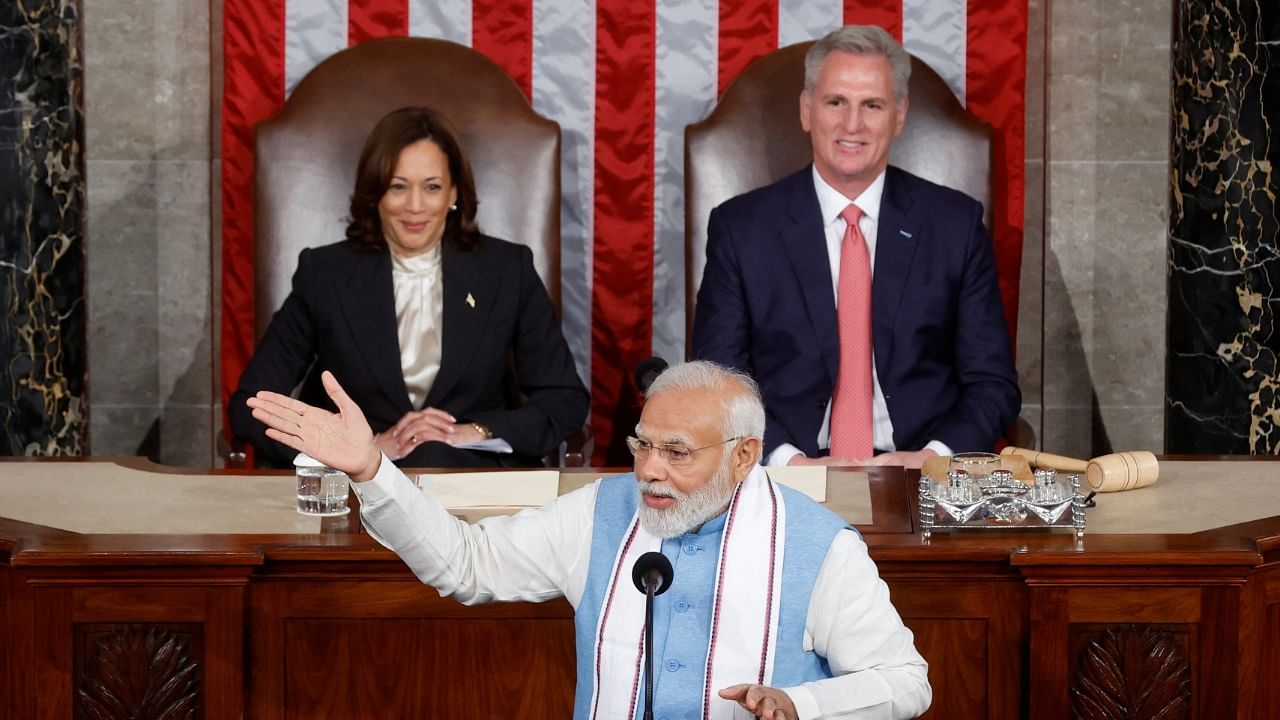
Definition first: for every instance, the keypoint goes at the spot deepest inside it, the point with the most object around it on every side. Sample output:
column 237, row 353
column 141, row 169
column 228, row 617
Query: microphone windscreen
column 654, row 567
column 647, row 371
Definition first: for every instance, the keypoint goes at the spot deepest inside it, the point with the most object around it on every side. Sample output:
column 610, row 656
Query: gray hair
column 860, row 40
column 743, row 411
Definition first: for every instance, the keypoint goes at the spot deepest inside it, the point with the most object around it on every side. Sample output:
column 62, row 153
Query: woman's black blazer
column 504, row 361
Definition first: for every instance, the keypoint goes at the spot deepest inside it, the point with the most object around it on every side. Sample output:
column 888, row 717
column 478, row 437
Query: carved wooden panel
column 1132, row 672
column 138, row 672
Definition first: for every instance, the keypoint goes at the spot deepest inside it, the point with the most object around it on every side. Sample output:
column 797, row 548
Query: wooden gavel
column 1105, row 473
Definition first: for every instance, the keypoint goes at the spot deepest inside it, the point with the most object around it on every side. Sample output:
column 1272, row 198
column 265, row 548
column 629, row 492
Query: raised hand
column 340, row 440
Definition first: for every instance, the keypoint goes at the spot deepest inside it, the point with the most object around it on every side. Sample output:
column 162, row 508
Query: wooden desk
column 320, row 621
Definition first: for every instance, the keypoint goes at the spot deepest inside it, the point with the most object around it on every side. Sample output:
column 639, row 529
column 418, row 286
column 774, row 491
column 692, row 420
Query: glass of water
column 322, row 490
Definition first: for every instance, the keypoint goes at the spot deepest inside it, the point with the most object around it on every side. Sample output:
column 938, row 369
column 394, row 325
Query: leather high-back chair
column 305, row 159
column 306, row 155
column 753, row 137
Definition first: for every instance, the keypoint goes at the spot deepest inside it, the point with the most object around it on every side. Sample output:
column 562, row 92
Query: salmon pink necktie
column 851, row 425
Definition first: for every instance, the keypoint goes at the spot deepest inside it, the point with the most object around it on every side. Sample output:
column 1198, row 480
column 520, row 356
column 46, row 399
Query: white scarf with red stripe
column 744, row 621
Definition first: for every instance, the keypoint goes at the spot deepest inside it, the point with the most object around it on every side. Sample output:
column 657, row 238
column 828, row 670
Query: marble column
column 1224, row 229
column 42, row 190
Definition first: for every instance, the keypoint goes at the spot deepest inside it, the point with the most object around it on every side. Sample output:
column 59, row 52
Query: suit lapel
column 369, row 305
column 470, row 292
column 804, row 239
column 896, row 239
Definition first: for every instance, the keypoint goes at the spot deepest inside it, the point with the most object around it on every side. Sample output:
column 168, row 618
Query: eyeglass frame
column 637, row 445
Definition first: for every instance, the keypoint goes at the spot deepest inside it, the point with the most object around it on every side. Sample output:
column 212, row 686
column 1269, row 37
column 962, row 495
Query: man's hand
column 342, row 441
column 803, row 459
column 765, row 702
column 914, row 459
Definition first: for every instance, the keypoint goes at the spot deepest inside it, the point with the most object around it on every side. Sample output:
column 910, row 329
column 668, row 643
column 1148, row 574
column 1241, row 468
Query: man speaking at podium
column 863, row 298
column 775, row 609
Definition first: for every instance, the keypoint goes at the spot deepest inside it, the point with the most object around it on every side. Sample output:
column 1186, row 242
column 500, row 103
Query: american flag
column 622, row 78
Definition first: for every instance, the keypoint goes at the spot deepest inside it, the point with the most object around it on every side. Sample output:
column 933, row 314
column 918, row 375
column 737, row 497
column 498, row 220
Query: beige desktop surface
column 103, row 497
column 1191, row 497
column 107, row 498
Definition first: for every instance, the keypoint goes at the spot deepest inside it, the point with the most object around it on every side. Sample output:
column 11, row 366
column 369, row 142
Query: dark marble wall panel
column 1224, row 233
column 42, row 189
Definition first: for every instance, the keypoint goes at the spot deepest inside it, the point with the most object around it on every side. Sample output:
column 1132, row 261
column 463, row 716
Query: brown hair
column 377, row 165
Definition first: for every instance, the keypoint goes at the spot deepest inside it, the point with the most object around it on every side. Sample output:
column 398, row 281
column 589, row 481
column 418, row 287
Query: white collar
column 832, row 202
column 427, row 262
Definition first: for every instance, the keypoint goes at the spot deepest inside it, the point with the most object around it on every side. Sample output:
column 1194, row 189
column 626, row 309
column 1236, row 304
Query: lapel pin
column 471, row 301
column 904, row 233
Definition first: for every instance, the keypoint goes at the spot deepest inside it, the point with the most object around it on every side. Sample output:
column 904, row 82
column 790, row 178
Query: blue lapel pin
column 904, row 234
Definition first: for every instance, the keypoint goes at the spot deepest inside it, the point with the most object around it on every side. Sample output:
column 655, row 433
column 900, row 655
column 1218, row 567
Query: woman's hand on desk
column 341, row 440
column 426, row 425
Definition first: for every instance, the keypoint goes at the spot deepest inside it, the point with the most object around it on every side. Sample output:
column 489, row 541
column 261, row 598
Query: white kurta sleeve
column 534, row 555
column 878, row 674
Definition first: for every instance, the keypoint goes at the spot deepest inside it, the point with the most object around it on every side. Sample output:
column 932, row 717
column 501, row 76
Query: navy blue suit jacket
column 498, row 322
column 941, row 346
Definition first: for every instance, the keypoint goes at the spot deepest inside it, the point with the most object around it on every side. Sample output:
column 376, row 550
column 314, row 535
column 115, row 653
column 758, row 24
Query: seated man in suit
column 774, row 606
column 855, row 371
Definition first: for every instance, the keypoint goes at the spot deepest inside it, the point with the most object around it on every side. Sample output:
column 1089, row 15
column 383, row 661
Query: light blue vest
column 682, row 615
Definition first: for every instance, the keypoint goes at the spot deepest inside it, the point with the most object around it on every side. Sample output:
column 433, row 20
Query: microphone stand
column 652, row 576
column 649, row 586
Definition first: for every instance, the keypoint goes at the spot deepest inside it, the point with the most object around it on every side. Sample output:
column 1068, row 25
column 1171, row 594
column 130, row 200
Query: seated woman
column 422, row 318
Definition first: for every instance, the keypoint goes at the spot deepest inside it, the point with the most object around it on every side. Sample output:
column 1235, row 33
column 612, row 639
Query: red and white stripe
column 622, row 79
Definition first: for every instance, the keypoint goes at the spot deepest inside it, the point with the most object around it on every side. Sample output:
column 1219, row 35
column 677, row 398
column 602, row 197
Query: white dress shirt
column 832, row 203
column 543, row 553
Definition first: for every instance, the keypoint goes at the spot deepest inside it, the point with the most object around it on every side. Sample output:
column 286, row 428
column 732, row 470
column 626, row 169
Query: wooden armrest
column 233, row 451
column 576, row 449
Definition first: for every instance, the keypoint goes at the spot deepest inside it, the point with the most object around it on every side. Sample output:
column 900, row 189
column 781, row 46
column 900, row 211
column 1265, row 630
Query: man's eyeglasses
column 673, row 454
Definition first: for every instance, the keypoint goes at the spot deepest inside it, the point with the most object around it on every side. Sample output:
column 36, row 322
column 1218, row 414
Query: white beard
column 692, row 509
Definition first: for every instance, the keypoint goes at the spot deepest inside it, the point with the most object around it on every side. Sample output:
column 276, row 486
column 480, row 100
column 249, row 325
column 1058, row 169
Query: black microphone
column 652, row 575
column 652, row 569
column 647, row 371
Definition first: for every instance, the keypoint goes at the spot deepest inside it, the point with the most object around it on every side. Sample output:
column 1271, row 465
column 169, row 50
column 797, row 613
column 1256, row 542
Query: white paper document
column 533, row 488
column 493, row 445
column 808, row 479
column 511, row 488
